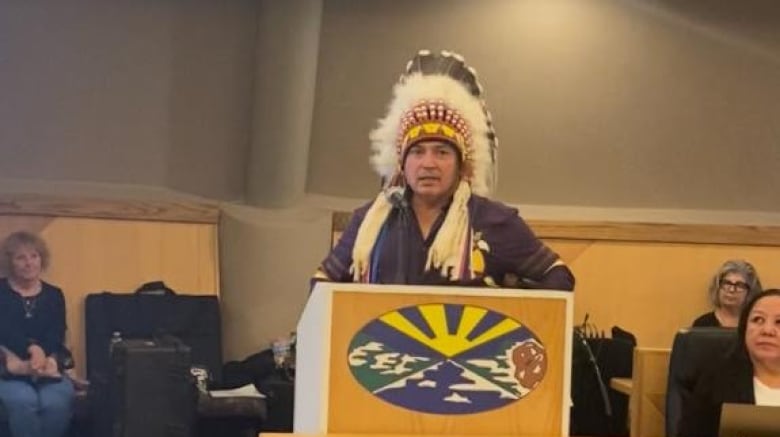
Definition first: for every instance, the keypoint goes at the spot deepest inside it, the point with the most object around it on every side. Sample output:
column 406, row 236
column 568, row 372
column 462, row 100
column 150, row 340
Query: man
column 432, row 224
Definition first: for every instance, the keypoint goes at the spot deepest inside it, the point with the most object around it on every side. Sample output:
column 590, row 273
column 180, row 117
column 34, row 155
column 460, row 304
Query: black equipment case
column 151, row 392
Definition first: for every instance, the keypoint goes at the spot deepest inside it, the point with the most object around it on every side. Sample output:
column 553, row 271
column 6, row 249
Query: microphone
column 397, row 197
column 578, row 332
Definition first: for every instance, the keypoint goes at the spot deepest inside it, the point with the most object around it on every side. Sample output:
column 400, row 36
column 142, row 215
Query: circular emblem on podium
column 447, row 358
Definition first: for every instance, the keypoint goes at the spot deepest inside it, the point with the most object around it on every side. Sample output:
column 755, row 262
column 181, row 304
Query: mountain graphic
column 499, row 369
column 446, row 388
column 447, row 358
column 376, row 365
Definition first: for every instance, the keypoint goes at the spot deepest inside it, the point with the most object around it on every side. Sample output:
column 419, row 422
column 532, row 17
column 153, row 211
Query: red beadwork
column 435, row 110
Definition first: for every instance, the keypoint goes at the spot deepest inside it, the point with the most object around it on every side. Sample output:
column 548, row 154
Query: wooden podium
column 425, row 360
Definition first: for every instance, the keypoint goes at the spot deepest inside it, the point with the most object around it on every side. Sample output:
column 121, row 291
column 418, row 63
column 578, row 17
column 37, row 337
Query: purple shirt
column 514, row 256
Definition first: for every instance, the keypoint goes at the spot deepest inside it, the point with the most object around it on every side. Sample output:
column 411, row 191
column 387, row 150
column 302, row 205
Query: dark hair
column 743, row 317
column 446, row 142
column 741, row 267
column 13, row 242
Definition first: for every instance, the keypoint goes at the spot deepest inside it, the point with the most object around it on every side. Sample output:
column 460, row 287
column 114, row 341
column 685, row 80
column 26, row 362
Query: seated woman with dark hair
column 734, row 284
column 36, row 394
column 750, row 374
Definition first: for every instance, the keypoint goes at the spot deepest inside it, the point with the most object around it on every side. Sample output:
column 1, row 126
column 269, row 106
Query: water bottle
column 116, row 337
column 202, row 377
column 281, row 350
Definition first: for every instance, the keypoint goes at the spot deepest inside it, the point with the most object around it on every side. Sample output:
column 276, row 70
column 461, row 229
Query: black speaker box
column 151, row 391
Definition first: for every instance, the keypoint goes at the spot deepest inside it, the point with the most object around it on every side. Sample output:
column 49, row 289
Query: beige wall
column 132, row 92
column 623, row 102
column 664, row 108
column 596, row 103
column 266, row 258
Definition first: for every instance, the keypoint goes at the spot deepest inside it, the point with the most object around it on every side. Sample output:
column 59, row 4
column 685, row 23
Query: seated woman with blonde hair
column 33, row 390
column 734, row 284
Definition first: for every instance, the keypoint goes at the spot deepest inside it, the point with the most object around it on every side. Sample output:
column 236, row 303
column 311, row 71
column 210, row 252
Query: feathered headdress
column 438, row 97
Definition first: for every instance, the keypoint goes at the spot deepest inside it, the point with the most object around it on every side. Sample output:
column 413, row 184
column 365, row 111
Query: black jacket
column 707, row 320
column 730, row 381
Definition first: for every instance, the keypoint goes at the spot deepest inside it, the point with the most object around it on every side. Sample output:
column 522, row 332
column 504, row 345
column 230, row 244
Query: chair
column 692, row 350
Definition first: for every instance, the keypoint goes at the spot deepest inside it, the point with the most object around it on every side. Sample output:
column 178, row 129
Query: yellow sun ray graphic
column 442, row 341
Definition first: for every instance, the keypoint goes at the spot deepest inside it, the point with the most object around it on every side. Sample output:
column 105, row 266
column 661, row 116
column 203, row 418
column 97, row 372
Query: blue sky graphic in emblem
column 447, row 358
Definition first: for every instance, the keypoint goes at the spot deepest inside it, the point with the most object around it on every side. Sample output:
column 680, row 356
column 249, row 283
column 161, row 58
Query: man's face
column 432, row 170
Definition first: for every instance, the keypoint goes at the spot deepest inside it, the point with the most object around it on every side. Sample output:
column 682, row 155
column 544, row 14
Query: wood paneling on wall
column 653, row 289
column 59, row 206
column 649, row 279
column 172, row 242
